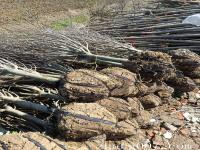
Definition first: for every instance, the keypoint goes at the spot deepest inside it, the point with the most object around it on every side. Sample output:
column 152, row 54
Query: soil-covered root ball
column 136, row 142
column 29, row 140
column 36, row 141
column 155, row 88
column 84, row 120
column 117, row 106
column 100, row 143
column 94, row 143
column 182, row 84
column 143, row 118
column 124, row 74
column 188, row 62
column 150, row 101
column 136, row 106
column 151, row 65
column 162, row 90
column 90, row 85
column 142, row 89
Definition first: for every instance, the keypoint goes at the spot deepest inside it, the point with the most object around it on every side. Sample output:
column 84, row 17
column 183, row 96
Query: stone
column 168, row 135
column 170, row 127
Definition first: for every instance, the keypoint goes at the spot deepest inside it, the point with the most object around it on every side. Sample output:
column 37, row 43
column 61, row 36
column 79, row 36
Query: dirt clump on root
column 91, row 85
column 152, row 65
column 86, row 120
column 188, row 62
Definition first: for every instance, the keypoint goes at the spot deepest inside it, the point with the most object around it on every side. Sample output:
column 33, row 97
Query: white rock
column 170, row 127
column 193, row 130
column 197, row 95
column 152, row 120
column 168, row 135
column 195, row 119
column 191, row 117
column 187, row 116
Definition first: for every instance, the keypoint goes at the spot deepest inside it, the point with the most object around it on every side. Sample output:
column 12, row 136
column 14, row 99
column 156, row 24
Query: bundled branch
column 158, row 29
column 145, row 19
column 177, row 3
column 95, row 87
column 49, row 49
column 67, row 47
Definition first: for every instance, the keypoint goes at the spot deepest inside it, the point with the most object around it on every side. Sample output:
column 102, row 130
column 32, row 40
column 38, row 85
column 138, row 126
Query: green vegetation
column 80, row 19
column 14, row 132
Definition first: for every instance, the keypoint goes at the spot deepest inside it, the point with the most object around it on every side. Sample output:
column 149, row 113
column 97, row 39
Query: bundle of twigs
column 80, row 46
column 144, row 18
column 67, row 47
column 177, row 3
column 59, row 47
column 157, row 29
